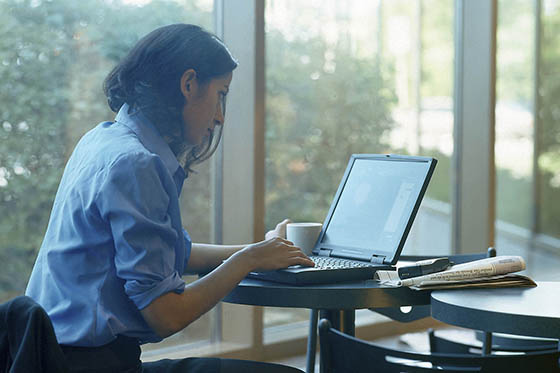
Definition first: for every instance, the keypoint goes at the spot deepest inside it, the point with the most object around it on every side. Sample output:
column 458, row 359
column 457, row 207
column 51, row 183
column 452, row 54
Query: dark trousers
column 123, row 356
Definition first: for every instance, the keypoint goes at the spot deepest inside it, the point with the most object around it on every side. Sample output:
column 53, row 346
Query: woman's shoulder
column 113, row 140
column 112, row 147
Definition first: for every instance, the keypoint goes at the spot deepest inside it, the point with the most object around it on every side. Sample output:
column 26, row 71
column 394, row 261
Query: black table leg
column 348, row 322
column 312, row 341
column 333, row 316
column 487, row 344
column 343, row 320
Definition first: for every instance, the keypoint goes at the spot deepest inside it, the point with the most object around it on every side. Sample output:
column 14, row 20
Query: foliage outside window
column 352, row 78
column 549, row 116
column 515, row 130
column 54, row 56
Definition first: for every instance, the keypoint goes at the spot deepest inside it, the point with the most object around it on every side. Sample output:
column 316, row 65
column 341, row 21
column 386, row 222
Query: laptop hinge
column 377, row 259
column 325, row 252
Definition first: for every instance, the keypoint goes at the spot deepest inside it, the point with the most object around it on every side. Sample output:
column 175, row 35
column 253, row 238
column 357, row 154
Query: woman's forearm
column 172, row 312
column 205, row 257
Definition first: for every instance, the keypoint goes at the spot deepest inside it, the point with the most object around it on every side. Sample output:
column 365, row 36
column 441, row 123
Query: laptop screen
column 376, row 204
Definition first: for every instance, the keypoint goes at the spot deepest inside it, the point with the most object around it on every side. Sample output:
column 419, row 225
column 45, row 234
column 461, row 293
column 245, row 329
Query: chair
column 499, row 343
column 27, row 339
column 343, row 353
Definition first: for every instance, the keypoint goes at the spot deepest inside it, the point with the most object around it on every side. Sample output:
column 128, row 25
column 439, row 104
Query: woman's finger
column 281, row 227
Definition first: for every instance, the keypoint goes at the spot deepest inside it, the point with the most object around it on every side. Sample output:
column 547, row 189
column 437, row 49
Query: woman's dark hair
column 148, row 78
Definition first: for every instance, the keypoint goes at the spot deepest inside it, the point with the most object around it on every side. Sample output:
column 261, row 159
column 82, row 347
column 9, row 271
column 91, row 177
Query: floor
column 298, row 362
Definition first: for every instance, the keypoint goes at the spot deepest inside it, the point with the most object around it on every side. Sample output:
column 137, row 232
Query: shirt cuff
column 144, row 293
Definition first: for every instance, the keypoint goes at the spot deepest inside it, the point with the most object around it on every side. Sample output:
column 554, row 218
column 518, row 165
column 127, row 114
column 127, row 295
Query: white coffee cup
column 303, row 235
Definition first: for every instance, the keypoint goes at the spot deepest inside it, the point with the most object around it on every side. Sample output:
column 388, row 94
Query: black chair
column 343, row 353
column 27, row 339
column 499, row 343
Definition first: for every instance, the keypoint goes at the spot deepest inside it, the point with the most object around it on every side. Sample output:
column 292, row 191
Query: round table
column 337, row 302
column 340, row 296
column 522, row 311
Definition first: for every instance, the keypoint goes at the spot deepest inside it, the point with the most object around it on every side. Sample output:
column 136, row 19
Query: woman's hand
column 279, row 231
column 274, row 253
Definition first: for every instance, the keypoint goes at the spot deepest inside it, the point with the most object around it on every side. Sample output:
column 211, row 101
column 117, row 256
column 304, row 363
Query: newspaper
column 489, row 272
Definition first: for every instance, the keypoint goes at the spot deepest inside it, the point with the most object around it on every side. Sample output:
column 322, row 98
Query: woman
column 109, row 270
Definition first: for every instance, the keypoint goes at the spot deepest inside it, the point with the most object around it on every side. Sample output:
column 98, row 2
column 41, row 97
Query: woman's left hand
column 279, row 231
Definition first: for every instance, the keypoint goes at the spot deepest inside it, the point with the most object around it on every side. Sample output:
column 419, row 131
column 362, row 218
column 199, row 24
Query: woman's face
column 203, row 109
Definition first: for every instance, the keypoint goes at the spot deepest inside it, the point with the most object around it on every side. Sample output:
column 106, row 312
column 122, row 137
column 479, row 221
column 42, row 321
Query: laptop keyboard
column 326, row 262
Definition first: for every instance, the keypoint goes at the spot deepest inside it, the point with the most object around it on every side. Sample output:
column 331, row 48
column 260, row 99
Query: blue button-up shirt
column 114, row 242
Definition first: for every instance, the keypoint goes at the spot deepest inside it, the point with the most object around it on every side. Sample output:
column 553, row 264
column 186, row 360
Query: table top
column 340, row 296
column 522, row 311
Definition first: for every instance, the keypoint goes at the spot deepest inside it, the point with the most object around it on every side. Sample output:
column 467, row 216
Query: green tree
column 35, row 57
column 323, row 104
column 54, row 56
column 549, row 116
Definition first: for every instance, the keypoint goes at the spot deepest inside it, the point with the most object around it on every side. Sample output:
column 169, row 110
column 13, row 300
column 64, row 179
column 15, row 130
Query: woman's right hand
column 274, row 253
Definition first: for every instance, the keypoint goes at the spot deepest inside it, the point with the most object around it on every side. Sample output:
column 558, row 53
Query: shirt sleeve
column 135, row 200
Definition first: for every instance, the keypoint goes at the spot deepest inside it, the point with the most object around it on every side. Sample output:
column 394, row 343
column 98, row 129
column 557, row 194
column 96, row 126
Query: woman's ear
column 189, row 84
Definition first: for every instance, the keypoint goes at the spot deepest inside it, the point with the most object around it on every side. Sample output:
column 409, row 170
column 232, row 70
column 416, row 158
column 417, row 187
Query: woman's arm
column 205, row 257
column 172, row 312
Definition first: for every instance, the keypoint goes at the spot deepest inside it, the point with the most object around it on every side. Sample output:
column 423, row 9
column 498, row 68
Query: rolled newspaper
column 499, row 265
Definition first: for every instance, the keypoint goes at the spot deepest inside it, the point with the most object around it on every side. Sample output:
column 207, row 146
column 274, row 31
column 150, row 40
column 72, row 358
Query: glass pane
column 549, row 137
column 514, row 124
column 54, row 56
column 521, row 211
column 428, row 123
column 355, row 77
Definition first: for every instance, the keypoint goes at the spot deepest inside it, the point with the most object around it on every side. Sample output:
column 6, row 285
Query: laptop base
column 299, row 275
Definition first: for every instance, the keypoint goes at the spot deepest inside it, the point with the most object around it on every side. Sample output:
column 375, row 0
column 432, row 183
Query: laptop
column 368, row 221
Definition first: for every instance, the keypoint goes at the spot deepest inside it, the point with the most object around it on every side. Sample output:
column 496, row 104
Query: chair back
column 342, row 353
column 27, row 339
column 513, row 343
column 500, row 343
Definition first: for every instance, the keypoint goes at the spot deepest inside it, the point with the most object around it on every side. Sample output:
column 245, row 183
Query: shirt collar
column 149, row 136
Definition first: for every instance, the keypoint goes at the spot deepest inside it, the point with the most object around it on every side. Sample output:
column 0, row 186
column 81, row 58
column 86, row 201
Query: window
column 342, row 78
column 356, row 77
column 514, row 121
column 527, row 140
column 54, row 56
column 548, row 157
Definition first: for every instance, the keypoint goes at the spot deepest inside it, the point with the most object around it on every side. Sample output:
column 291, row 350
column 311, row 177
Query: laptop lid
column 374, row 207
